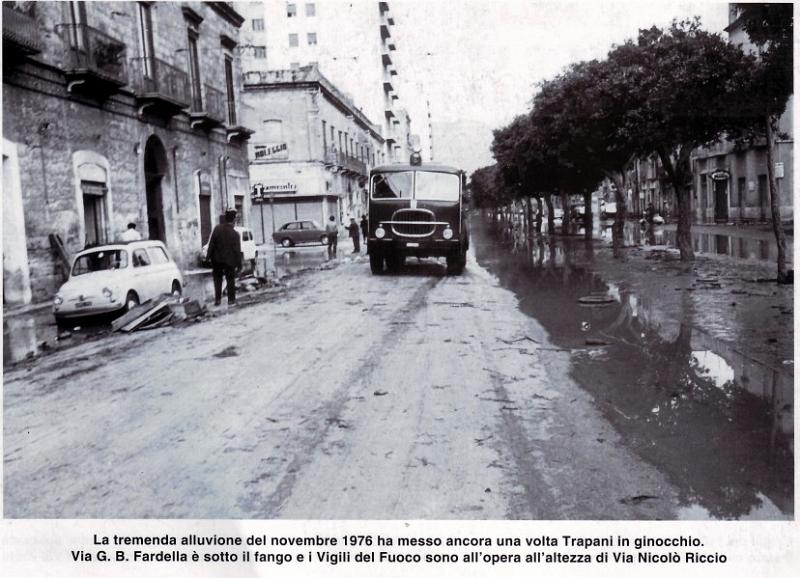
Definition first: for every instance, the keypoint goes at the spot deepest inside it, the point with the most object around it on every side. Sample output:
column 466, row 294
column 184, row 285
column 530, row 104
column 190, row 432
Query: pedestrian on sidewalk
column 225, row 254
column 355, row 234
column 131, row 234
column 332, row 230
column 364, row 228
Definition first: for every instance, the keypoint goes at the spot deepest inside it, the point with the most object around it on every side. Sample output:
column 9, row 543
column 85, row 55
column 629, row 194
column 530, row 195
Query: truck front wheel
column 375, row 262
column 456, row 263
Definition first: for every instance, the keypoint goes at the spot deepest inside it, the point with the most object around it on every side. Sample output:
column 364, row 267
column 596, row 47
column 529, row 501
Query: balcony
column 208, row 111
column 388, row 86
column 386, row 56
column 95, row 63
column 161, row 89
column 390, row 135
column 235, row 130
column 339, row 161
column 20, row 35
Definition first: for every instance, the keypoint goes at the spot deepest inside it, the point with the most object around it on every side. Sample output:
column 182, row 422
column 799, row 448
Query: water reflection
column 719, row 423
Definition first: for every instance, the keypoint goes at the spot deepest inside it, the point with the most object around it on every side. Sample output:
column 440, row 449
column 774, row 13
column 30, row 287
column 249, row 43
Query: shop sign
column 720, row 175
column 778, row 170
column 270, row 151
column 260, row 190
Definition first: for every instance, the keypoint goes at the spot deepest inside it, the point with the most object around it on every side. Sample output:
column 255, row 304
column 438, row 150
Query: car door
column 162, row 271
column 309, row 232
column 294, row 233
column 142, row 276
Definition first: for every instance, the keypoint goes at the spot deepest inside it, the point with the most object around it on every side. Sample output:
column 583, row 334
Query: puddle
column 671, row 370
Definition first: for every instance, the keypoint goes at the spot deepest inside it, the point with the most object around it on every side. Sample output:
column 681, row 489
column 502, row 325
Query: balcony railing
column 94, row 54
column 210, row 110
column 161, row 84
column 343, row 161
column 20, row 31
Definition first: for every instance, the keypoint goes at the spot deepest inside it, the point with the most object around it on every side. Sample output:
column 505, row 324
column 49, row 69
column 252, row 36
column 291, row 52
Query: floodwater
column 686, row 396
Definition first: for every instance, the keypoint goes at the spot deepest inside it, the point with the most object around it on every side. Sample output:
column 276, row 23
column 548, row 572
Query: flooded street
column 668, row 354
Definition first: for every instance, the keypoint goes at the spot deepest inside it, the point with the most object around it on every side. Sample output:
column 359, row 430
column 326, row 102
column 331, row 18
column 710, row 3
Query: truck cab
column 416, row 210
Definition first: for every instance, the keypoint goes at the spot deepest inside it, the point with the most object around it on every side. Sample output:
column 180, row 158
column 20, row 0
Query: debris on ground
column 634, row 500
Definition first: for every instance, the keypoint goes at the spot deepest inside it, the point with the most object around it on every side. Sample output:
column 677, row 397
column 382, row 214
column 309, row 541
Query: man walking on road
column 364, row 227
column 333, row 236
column 225, row 254
column 355, row 234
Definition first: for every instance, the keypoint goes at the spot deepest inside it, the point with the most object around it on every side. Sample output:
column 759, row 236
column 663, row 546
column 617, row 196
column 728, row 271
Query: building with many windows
column 352, row 43
column 311, row 151
column 730, row 182
column 116, row 112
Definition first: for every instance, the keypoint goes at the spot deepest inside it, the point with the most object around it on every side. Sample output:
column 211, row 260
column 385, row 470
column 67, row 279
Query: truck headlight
column 380, row 232
column 447, row 233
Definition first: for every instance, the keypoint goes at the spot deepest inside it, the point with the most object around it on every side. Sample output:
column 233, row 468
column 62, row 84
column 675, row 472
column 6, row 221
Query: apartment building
column 311, row 151
column 730, row 182
column 116, row 112
column 352, row 43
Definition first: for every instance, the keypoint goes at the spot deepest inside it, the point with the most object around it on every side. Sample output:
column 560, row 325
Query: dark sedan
column 298, row 232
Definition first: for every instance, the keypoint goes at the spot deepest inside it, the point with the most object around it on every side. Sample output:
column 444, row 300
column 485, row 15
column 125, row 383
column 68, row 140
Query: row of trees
column 666, row 93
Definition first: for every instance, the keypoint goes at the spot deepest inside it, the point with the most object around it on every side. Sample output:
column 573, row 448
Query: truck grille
column 413, row 223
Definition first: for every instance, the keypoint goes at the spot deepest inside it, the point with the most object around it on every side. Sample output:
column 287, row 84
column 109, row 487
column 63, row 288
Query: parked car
column 296, row 232
column 114, row 278
column 249, row 250
column 608, row 209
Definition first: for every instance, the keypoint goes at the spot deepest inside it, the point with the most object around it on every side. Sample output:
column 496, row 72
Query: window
column 258, row 24
column 311, row 9
column 194, row 72
column 293, row 40
column 100, row 261
column 324, row 137
column 157, row 255
column 291, row 10
column 140, row 258
column 229, row 90
column 292, row 227
column 738, row 197
column 436, row 186
column 146, row 30
column 260, row 52
column 312, row 38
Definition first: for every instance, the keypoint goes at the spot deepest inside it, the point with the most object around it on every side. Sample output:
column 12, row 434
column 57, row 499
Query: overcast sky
column 481, row 60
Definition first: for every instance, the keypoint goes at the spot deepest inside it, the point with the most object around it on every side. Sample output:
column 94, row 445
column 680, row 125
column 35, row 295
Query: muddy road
column 416, row 395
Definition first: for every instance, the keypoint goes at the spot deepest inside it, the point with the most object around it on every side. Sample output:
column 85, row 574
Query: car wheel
column 176, row 288
column 286, row 242
column 131, row 300
column 324, row 239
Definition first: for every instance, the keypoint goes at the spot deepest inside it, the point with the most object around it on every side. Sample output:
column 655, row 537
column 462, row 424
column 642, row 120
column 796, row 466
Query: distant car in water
column 249, row 250
column 608, row 210
column 116, row 277
column 299, row 232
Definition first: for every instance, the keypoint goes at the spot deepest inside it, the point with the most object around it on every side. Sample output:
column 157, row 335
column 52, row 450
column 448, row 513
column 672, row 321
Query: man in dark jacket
column 355, row 234
column 225, row 254
column 364, row 227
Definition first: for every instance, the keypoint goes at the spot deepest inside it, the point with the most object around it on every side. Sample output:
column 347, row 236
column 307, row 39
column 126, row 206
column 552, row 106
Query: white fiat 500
column 115, row 278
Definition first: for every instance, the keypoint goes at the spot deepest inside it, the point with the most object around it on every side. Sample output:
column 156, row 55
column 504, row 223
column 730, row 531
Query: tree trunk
column 565, row 220
column 775, row 206
column 539, row 215
column 677, row 176
column 587, row 215
column 618, row 228
column 551, row 225
column 529, row 217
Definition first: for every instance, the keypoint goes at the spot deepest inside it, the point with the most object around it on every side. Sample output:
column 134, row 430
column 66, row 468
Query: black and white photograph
column 432, row 261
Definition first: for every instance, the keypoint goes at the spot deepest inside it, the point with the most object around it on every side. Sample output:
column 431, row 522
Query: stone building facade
column 312, row 150
column 116, row 112
column 730, row 182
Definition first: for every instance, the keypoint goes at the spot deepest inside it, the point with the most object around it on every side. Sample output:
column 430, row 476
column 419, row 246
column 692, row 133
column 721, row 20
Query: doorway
column 721, row 200
column 155, row 168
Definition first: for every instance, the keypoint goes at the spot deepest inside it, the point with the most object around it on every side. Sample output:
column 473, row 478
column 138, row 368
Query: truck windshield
column 429, row 186
column 392, row 185
column 436, row 186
